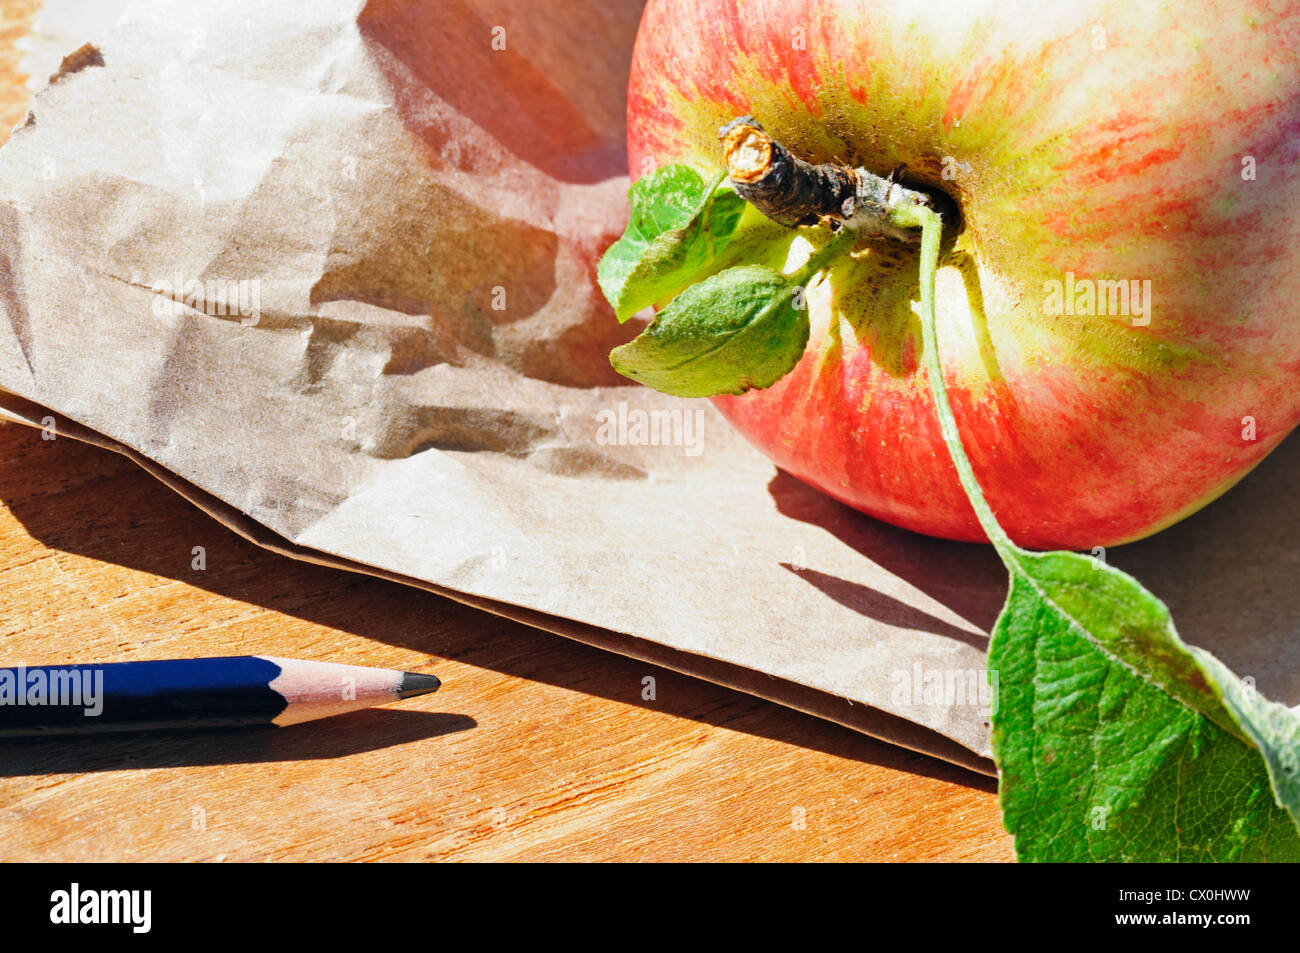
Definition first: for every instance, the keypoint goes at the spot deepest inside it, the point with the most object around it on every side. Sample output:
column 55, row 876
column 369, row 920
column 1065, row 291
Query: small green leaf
column 1114, row 740
column 742, row 328
column 678, row 225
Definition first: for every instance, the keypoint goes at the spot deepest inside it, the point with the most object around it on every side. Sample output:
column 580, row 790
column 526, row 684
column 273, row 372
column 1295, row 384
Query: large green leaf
column 1111, row 736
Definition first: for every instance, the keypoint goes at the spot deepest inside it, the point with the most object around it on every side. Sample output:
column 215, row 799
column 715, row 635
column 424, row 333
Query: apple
column 1118, row 297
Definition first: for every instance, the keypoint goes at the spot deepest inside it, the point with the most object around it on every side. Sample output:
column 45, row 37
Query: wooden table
column 537, row 748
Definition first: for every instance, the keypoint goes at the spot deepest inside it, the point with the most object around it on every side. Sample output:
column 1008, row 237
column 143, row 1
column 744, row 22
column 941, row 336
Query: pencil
column 225, row 692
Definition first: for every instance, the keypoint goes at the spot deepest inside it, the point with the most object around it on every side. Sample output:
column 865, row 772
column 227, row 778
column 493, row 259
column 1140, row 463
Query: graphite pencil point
column 415, row 683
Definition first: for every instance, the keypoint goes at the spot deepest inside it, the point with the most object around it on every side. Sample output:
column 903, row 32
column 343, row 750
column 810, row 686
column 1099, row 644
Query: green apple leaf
column 745, row 327
column 678, row 225
column 1099, row 761
column 1116, row 741
column 742, row 328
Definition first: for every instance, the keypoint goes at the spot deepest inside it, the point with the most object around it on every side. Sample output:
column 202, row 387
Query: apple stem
column 931, row 226
column 794, row 193
column 785, row 188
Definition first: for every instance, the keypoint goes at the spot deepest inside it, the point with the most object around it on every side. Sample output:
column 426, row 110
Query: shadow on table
column 332, row 738
column 1230, row 573
column 80, row 499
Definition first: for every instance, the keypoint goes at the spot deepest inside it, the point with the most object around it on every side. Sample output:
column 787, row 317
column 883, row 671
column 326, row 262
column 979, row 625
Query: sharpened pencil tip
column 414, row 683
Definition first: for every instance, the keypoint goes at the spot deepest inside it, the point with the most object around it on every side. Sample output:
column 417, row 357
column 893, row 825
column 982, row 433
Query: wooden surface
column 537, row 748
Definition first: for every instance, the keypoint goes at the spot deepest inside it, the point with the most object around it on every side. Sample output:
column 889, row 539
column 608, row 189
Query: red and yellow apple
column 1119, row 314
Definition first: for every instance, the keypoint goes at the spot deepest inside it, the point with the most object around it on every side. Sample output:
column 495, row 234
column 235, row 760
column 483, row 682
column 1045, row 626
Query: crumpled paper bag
column 327, row 269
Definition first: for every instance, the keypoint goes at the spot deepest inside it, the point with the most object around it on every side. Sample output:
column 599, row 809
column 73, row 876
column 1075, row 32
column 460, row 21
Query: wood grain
column 536, row 748
column 15, row 19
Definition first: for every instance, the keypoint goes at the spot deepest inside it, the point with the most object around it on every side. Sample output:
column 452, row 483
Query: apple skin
column 1106, row 140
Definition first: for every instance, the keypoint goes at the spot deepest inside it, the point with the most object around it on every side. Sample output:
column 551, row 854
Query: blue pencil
column 192, row 693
